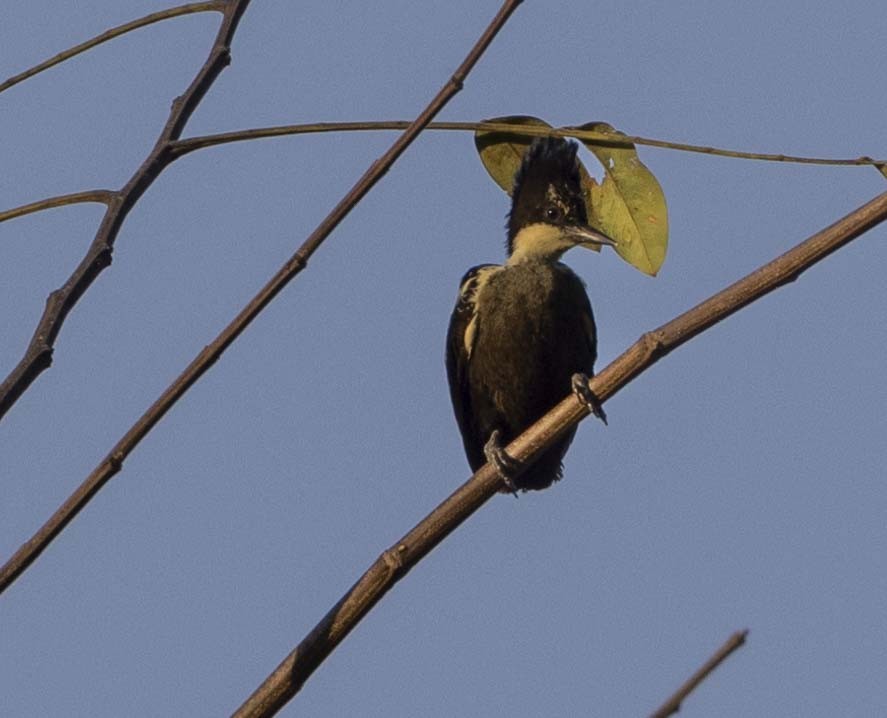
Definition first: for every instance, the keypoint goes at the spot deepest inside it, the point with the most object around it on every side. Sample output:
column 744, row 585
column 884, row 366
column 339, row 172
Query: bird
column 522, row 334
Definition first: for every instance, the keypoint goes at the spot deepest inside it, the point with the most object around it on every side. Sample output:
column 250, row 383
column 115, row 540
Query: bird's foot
column 506, row 466
column 584, row 393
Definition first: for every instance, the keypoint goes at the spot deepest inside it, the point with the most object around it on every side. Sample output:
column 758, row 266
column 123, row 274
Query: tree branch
column 673, row 704
column 38, row 355
column 182, row 147
column 94, row 195
column 217, row 5
column 113, row 462
column 286, row 680
column 179, row 148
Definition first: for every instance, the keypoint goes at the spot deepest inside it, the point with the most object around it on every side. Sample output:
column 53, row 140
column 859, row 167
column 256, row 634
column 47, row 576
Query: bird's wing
column 578, row 298
column 460, row 340
column 590, row 331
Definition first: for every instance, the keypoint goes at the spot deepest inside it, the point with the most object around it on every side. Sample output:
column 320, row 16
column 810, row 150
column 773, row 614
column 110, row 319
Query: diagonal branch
column 113, row 462
column 216, row 5
column 673, row 704
column 286, row 680
column 38, row 355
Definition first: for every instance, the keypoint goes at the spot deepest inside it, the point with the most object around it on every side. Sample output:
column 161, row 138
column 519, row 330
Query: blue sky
column 740, row 482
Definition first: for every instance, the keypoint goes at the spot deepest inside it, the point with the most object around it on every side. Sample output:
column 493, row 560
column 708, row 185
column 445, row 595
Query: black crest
column 549, row 162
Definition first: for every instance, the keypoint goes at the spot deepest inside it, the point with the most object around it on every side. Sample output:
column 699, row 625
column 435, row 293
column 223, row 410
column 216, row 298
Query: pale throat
column 538, row 242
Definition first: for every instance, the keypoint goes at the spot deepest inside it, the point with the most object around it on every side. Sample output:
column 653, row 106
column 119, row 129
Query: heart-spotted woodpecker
column 523, row 333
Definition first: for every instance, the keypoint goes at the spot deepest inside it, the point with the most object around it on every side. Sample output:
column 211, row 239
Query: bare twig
column 38, row 355
column 673, row 704
column 182, row 147
column 286, row 680
column 104, row 196
column 113, row 462
column 191, row 144
column 217, row 5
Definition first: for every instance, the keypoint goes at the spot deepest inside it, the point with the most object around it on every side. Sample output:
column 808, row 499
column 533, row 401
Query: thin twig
column 113, row 462
column 104, row 196
column 38, row 355
column 673, row 704
column 190, row 144
column 395, row 562
column 216, row 5
column 181, row 147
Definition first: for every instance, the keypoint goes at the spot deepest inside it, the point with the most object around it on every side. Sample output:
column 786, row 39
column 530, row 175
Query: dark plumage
column 520, row 331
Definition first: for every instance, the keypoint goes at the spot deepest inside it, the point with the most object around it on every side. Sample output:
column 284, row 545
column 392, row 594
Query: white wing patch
column 468, row 339
column 468, row 296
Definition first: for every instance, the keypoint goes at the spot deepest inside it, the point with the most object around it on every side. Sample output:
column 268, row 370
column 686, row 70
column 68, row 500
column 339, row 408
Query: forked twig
column 216, row 5
column 38, row 355
column 673, row 704
column 113, row 462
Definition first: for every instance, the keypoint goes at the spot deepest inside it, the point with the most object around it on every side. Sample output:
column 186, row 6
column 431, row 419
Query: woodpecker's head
column 548, row 214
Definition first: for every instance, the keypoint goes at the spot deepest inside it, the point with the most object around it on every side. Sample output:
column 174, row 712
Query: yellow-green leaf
column 629, row 205
column 502, row 152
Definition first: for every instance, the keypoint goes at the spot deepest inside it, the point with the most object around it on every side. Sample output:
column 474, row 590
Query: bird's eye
column 552, row 213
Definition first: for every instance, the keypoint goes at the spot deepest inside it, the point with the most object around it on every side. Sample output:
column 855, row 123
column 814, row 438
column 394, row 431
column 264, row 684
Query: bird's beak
column 585, row 236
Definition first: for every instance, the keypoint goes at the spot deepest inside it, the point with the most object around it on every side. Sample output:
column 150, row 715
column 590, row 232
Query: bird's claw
column 506, row 466
column 584, row 393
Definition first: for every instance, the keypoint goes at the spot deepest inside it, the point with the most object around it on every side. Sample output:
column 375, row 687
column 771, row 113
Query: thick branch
column 393, row 564
column 38, row 355
column 217, row 5
column 182, row 147
column 113, row 462
column 673, row 704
